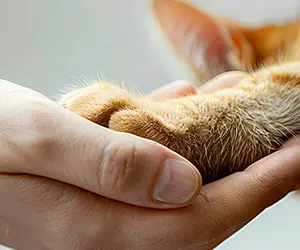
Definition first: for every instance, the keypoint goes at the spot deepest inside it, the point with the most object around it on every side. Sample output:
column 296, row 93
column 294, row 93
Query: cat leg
column 220, row 133
column 226, row 131
column 113, row 107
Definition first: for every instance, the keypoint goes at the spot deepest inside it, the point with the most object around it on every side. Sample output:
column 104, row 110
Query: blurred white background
column 46, row 45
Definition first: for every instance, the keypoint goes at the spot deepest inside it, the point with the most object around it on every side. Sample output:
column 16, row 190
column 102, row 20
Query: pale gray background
column 46, row 45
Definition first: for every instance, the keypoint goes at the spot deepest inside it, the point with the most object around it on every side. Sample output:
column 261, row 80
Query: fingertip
column 158, row 178
column 174, row 89
column 179, row 183
column 223, row 81
column 183, row 88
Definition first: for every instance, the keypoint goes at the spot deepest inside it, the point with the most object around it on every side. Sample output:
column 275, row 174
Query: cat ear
column 209, row 45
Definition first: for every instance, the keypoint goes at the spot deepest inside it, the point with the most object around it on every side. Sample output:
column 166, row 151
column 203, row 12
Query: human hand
column 38, row 213
column 38, row 137
column 43, row 214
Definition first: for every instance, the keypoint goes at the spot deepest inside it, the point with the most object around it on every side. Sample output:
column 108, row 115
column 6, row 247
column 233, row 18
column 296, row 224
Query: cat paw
column 114, row 108
column 98, row 102
column 143, row 123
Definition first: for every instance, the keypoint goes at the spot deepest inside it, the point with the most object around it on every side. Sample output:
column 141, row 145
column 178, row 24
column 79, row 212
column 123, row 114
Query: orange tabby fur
column 223, row 132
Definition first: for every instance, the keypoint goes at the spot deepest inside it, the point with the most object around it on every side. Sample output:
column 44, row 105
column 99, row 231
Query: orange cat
column 223, row 132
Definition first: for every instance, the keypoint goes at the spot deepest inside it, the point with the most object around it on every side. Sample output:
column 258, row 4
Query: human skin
column 41, row 138
column 40, row 213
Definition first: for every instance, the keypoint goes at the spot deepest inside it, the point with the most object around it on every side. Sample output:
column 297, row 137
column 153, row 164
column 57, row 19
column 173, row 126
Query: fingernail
column 177, row 183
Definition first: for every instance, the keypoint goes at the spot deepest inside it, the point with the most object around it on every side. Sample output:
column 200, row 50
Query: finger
column 222, row 81
column 173, row 90
column 115, row 165
column 244, row 195
column 39, row 213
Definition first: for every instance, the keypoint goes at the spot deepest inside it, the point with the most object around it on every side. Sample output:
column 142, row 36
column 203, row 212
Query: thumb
column 115, row 165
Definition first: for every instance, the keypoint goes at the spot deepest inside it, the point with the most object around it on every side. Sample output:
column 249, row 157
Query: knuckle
column 36, row 137
column 119, row 170
column 40, row 115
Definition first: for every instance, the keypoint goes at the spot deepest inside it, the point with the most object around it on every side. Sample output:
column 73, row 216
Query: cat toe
column 98, row 102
